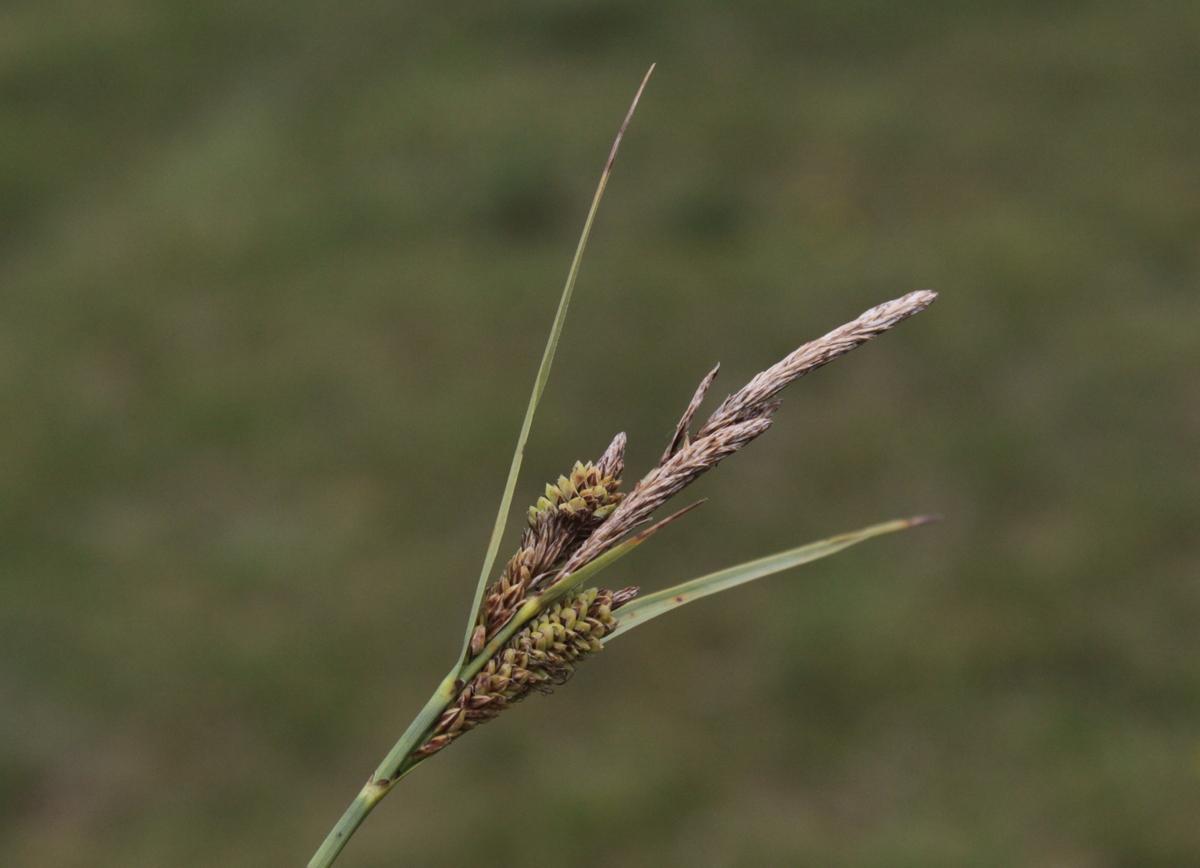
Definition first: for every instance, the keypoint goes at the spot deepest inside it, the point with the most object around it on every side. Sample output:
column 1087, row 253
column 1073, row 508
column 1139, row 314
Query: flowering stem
column 355, row 814
column 395, row 765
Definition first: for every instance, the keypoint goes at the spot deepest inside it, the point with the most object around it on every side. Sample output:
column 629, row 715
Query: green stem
column 414, row 736
column 367, row 799
column 395, row 765
column 399, row 760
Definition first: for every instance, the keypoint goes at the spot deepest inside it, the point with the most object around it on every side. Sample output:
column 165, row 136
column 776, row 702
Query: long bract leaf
column 642, row 609
column 543, row 374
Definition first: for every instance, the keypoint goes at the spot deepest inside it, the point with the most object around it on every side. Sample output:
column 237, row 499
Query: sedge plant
column 539, row 618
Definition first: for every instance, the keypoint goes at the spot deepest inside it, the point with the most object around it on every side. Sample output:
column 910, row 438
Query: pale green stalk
column 399, row 760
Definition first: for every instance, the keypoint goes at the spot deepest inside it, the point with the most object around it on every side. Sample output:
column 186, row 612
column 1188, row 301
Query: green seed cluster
column 541, row 655
column 588, row 492
column 561, row 519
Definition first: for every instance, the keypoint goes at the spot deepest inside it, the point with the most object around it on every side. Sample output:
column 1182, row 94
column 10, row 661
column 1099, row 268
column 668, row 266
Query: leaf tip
column 612, row 156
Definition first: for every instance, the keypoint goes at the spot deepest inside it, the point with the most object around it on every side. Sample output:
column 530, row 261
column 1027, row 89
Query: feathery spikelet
column 739, row 419
column 541, row 655
column 568, row 512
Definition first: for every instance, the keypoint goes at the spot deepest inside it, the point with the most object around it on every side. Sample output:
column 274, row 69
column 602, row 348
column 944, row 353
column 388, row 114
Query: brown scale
column 543, row 654
column 558, row 523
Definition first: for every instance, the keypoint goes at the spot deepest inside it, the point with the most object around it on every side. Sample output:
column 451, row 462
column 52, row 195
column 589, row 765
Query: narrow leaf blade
column 539, row 385
column 642, row 609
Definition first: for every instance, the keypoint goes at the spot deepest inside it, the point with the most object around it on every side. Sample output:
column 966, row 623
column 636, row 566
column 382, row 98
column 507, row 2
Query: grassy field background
column 274, row 281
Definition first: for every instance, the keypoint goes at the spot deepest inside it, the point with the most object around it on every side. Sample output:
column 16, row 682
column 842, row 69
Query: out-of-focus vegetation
column 276, row 277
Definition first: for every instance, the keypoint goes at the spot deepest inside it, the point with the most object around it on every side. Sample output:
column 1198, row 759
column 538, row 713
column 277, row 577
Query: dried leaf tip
column 612, row 155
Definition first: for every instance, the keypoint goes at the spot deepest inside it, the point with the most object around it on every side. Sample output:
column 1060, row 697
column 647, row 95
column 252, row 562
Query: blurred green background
column 275, row 281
